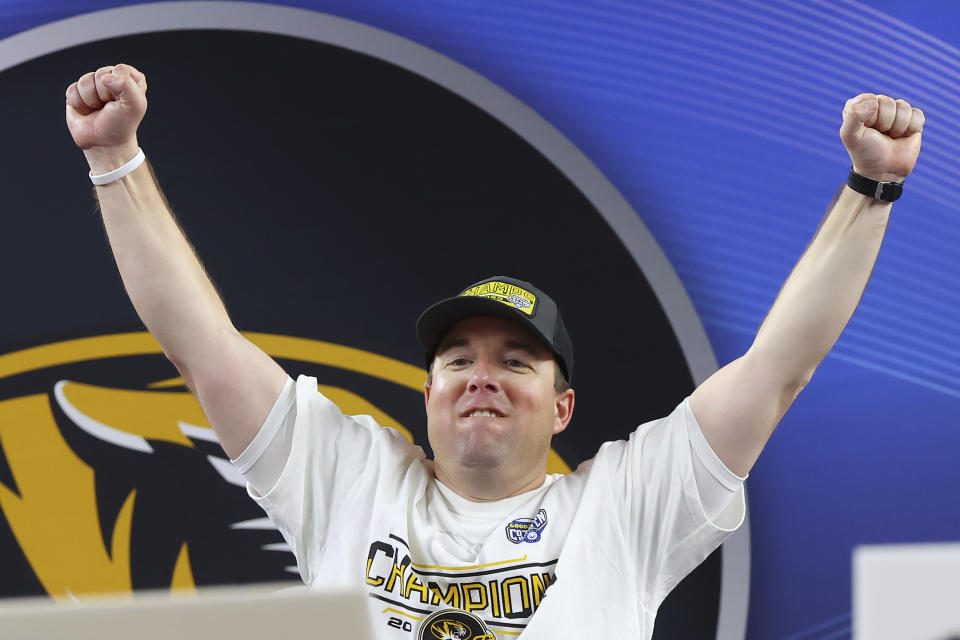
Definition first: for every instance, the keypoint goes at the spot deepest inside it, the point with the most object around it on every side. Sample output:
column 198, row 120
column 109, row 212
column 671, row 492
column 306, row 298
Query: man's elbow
column 182, row 369
column 787, row 374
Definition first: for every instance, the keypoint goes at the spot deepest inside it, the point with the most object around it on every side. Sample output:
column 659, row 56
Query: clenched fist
column 882, row 136
column 104, row 109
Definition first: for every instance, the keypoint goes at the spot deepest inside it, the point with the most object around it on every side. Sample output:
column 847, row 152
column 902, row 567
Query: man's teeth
column 483, row 413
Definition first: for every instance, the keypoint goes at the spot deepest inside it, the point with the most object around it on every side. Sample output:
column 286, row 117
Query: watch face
column 891, row 191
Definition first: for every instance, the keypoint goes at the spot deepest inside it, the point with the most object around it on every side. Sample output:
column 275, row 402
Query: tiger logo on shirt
column 454, row 624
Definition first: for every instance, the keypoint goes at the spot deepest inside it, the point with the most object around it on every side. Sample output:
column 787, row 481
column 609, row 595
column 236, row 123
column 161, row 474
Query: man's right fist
column 104, row 108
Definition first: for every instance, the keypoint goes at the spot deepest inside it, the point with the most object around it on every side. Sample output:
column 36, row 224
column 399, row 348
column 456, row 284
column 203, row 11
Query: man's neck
column 480, row 489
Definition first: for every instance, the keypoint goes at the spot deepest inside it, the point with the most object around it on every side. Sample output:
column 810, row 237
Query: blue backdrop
column 718, row 123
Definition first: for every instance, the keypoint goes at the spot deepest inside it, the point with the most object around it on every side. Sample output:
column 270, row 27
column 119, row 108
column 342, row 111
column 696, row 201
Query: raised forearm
column 739, row 406
column 821, row 294
column 161, row 273
column 235, row 382
column 882, row 136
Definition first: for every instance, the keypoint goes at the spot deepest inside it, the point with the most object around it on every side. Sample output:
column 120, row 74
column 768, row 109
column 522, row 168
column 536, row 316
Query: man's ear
column 563, row 408
column 426, row 393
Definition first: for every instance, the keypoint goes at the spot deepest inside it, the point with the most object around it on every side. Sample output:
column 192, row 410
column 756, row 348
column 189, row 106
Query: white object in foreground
column 906, row 591
column 241, row 613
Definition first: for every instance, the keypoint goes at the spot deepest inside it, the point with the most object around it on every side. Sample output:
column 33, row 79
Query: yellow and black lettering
column 386, row 549
column 516, row 598
column 540, row 583
column 504, row 593
column 397, row 571
column 452, row 596
column 414, row 584
column 469, row 604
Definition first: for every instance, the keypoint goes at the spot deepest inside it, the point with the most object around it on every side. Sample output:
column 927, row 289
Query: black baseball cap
column 507, row 298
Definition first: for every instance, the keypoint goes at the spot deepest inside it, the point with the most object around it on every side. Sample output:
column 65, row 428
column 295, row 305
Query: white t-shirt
column 588, row 554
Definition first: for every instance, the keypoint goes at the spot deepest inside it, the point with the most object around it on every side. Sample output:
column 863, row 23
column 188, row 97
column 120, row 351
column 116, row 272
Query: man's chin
column 481, row 461
column 489, row 457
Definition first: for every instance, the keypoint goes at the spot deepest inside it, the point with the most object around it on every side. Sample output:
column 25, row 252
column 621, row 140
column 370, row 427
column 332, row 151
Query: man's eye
column 516, row 364
column 459, row 362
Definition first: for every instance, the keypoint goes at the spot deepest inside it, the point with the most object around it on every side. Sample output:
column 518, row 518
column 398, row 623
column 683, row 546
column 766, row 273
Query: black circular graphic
column 331, row 196
column 338, row 211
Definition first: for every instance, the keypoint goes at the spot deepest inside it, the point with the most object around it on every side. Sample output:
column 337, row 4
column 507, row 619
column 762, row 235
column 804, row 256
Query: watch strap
column 885, row 191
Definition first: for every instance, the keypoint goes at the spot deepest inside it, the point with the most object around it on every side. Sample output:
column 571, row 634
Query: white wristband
column 119, row 172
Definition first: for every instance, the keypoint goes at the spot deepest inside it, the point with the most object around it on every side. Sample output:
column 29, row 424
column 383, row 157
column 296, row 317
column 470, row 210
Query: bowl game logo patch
column 527, row 529
column 509, row 294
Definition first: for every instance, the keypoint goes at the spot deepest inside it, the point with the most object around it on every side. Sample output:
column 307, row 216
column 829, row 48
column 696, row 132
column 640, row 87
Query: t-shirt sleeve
column 262, row 462
column 329, row 453
column 662, row 517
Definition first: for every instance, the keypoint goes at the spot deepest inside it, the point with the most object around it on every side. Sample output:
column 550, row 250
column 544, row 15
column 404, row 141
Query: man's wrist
column 879, row 177
column 105, row 159
column 881, row 190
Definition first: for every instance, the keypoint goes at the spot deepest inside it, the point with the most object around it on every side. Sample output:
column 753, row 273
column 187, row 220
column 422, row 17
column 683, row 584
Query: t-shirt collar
column 492, row 509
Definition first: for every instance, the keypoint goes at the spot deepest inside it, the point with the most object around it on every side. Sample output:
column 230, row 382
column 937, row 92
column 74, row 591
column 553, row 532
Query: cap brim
column 438, row 319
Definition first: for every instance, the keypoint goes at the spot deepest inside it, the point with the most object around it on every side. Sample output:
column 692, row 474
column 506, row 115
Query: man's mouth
column 483, row 413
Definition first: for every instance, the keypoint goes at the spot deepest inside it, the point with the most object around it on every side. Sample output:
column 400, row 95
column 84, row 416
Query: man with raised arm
column 481, row 542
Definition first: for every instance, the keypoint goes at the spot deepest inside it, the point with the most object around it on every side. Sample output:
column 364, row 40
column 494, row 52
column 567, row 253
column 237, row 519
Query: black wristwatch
column 885, row 191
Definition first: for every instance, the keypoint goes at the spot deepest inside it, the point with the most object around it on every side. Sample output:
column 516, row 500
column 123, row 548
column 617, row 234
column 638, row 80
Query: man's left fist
column 882, row 136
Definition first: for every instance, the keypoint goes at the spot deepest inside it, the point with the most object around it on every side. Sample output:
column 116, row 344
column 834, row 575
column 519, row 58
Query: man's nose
column 482, row 377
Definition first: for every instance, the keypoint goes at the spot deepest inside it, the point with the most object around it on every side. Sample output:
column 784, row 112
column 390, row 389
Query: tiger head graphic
column 454, row 624
column 111, row 479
